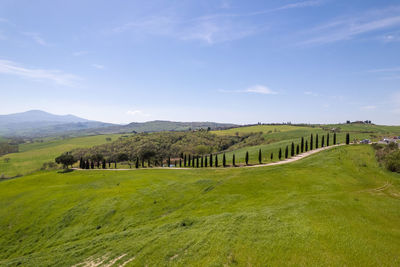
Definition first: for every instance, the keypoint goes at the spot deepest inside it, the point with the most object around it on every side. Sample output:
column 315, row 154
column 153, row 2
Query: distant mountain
column 38, row 116
column 37, row 123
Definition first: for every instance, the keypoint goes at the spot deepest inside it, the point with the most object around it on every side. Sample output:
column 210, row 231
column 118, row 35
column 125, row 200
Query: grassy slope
column 32, row 156
column 318, row 211
column 280, row 136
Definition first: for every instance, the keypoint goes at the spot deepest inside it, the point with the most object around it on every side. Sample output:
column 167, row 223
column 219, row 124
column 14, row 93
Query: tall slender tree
column 202, row 161
column 316, row 141
column 306, row 145
column 347, row 139
column 193, row 162
column 104, row 164
column 327, row 139
column 233, row 160
column 247, row 158
column 311, row 142
column 334, row 138
column 184, row 160
column 92, row 164
column 180, row 163
column 137, row 163
column 286, row 152
column 216, row 160
column 197, row 161
column 272, row 156
column 115, row 164
column 297, row 149
column 292, row 150
column 323, row 141
column 211, row 160
column 81, row 163
column 302, row 145
column 205, row 161
column 259, row 156
column 280, row 154
column 223, row 160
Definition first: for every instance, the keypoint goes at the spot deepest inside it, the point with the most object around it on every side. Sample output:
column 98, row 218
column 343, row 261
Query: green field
column 279, row 136
column 32, row 156
column 334, row 208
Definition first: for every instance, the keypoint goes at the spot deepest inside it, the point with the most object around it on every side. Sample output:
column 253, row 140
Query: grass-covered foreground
column 337, row 207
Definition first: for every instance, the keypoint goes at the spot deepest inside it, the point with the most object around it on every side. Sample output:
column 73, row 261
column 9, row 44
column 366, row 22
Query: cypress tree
column 184, row 160
column 109, row 164
column 272, row 155
column 223, row 160
column 302, row 145
column 259, row 156
column 211, row 160
column 292, row 150
column 297, row 149
column 137, row 163
column 216, row 160
column 205, row 161
column 280, row 154
column 115, row 164
column 92, row 164
column 311, row 142
column 98, row 164
column 316, row 141
column 233, row 160
column 80, row 163
column 306, row 145
column 104, row 163
column 180, row 163
column 334, row 138
column 286, row 152
column 327, row 139
column 169, row 161
column 189, row 160
column 193, row 162
column 247, row 158
column 347, row 139
column 202, row 161
column 197, row 161
column 323, row 141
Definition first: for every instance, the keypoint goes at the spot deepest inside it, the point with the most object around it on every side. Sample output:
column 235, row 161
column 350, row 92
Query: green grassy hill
column 31, row 156
column 334, row 208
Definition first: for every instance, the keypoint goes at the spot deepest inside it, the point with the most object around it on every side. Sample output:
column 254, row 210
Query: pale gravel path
column 286, row 161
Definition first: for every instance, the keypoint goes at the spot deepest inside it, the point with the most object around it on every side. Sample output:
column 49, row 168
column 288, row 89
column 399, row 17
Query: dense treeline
column 160, row 146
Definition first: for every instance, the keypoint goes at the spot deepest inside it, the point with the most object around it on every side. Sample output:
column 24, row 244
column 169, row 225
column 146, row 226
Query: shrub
column 392, row 161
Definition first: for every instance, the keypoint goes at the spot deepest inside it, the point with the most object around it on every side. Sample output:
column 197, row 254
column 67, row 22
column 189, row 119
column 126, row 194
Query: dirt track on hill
column 286, row 161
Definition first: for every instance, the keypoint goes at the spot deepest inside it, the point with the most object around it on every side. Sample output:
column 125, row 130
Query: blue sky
column 315, row 61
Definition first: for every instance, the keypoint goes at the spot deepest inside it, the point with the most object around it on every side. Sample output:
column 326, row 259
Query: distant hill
column 158, row 126
column 35, row 123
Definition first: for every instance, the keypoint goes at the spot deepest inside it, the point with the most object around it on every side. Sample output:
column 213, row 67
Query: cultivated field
column 32, row 156
column 335, row 208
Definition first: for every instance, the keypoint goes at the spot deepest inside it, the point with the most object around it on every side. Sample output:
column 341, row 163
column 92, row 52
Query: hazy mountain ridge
column 37, row 123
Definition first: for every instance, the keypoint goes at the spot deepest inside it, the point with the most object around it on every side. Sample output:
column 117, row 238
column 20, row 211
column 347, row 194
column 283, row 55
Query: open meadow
column 336, row 208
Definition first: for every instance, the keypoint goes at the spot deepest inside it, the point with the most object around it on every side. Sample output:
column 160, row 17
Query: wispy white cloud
column 350, row 27
column 140, row 113
column 256, row 89
column 310, row 93
column 368, row 107
column 98, row 66
column 209, row 28
column 55, row 76
column 36, row 37
column 80, row 53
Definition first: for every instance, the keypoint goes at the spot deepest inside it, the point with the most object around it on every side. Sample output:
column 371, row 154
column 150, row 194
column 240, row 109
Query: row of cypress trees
column 188, row 160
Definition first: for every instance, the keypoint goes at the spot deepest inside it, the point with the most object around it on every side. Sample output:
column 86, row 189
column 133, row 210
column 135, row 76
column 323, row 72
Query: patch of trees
column 6, row 148
column 388, row 156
